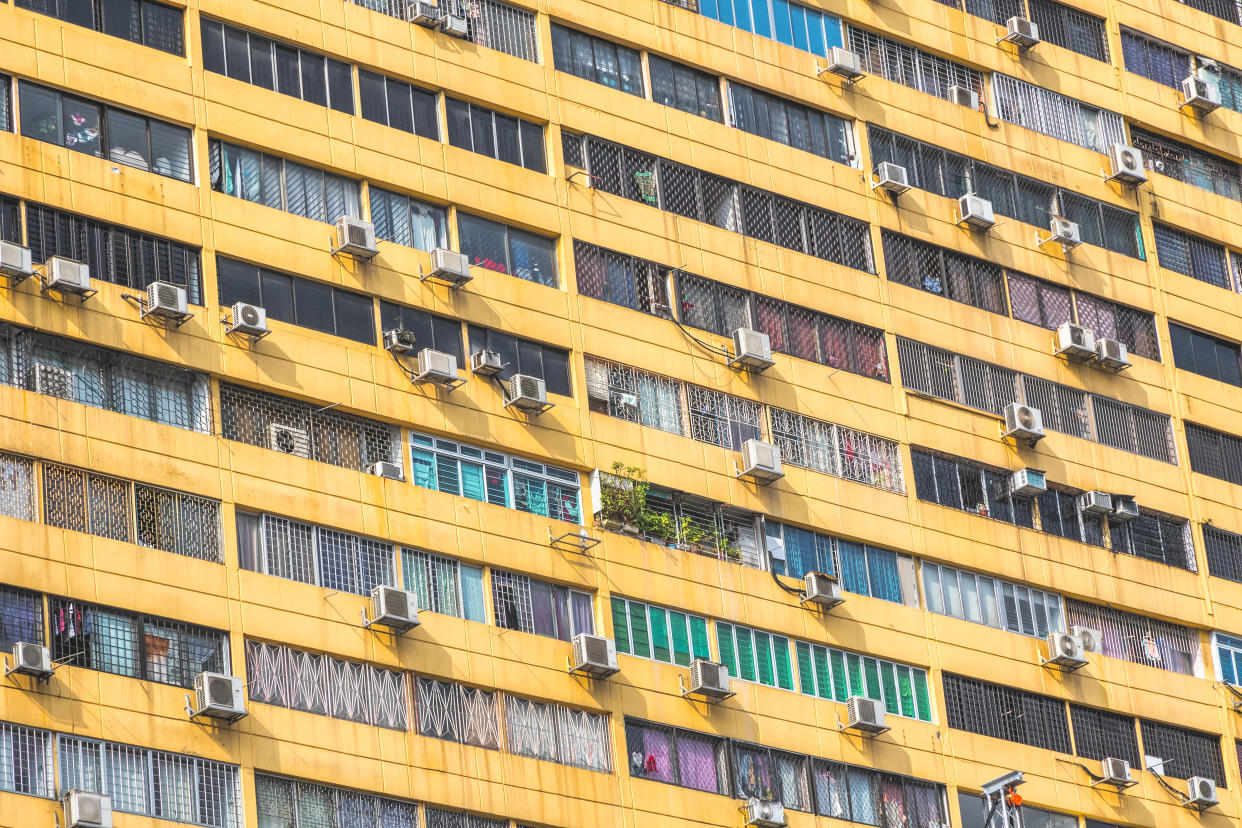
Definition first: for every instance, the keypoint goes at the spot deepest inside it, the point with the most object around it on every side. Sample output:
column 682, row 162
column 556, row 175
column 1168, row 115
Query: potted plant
column 623, row 498
column 659, row 526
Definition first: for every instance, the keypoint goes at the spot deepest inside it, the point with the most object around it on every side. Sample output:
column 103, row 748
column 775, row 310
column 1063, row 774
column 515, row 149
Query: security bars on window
column 897, row 62
column 1230, row 10
column 1059, row 24
column 1099, row 734
column 707, row 527
column 1139, row 639
column 1006, row 713
column 294, row 804
column 1188, row 164
column 837, row 450
column 17, row 487
column 444, row 585
column 26, row 761
column 1056, row 115
column 1197, row 257
column 1170, row 65
column 489, row 23
column 1182, row 753
column 1224, row 553
column 322, row 556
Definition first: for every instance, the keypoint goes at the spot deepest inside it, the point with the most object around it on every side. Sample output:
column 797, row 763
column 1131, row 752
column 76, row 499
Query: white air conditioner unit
column 527, row 394
column 976, row 212
column 709, row 679
column 1064, row 232
column 355, row 237
column 1028, row 482
column 32, row 660
column 67, row 275
column 751, row 349
column 594, row 656
column 1095, row 503
column 1127, row 164
column 1125, row 508
column 864, row 715
column 455, row 25
column 288, row 439
column 486, row 363
column 964, row 96
column 765, row 813
column 1091, row 638
column 891, row 178
column 438, row 367
column 845, row 63
column 167, row 301
column 84, row 809
column 1066, row 651
column 1116, row 772
column 423, row 14
column 1202, row 96
column 1201, row 793
column 449, row 267
column 1075, row 342
column 399, row 341
column 1021, row 32
column 219, row 696
column 386, row 469
column 821, row 588
column 249, row 320
column 761, row 461
column 1112, row 354
column 1024, row 422
column 394, row 608
column 53, row 380
column 15, row 261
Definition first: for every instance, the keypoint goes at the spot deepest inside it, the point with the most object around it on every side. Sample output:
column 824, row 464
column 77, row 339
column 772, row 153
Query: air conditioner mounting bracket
column 578, row 541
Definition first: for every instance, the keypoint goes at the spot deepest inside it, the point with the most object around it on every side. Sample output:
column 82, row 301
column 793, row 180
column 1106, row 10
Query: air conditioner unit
column 1112, row 354
column 1023, row 422
column 449, row 267
column 526, row 393
column 219, row 696
column 288, row 439
column 249, row 320
column 383, row 468
column 1091, row 638
column 845, row 63
column 1127, row 164
column 32, row 660
column 1201, row 793
column 486, row 363
column 595, row 656
column 1076, row 342
column 765, row 813
column 1066, row 651
column 1116, row 772
column 751, row 349
column 67, row 275
column 865, row 715
column 1202, row 96
column 976, row 212
column 1125, row 508
column 455, row 25
column 761, row 461
column 1028, row 482
column 891, row 178
column 822, row 588
column 399, row 341
column 707, row 678
column 166, row 300
column 1064, row 232
column 84, row 809
column 438, row 367
column 53, row 380
column 423, row 14
column 1021, row 32
column 1095, row 503
column 15, row 261
column 394, row 608
column 355, row 237
column 964, row 96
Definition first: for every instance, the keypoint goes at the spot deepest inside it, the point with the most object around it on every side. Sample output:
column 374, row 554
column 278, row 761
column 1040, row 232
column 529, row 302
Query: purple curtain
column 696, row 759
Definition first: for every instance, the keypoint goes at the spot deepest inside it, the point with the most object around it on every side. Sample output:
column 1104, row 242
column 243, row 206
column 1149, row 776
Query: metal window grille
column 327, row 686
column 677, row 757
column 21, row 617
column 1099, row 734
column 1136, row 329
column 17, row 487
column 837, row 450
column 1056, row 115
column 1162, row 539
column 943, row 272
column 435, row 579
column 1139, row 639
column 1182, row 753
column 168, row 786
column 909, row 66
column 764, row 773
column 457, row 713
column 708, row 527
column 1224, row 553
column 556, row 733
column 1167, row 64
column 439, row 818
column 180, row 523
column 1187, row 164
column 290, row 802
column 1064, row 409
column 1196, row 257
column 1230, row 10
column 1070, row 28
column 1006, row 713
column 10, row 219
column 26, row 761
column 6, row 103
column 623, row 280
column 1039, row 302
column 635, row 395
column 271, row 421
column 86, row 502
column 489, row 23
column 511, row 601
column 960, row 484
column 722, row 419
column 998, row 11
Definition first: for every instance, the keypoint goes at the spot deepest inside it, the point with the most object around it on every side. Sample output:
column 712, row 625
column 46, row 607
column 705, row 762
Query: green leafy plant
column 623, row 496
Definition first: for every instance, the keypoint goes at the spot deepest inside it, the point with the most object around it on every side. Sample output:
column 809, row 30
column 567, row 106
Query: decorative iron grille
column 837, row 450
column 17, row 487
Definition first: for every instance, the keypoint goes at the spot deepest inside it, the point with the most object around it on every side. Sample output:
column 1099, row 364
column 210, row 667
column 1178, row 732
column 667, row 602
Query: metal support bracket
column 579, row 541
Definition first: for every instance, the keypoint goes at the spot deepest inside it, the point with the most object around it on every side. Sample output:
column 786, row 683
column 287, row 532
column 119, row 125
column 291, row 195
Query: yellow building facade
column 630, row 183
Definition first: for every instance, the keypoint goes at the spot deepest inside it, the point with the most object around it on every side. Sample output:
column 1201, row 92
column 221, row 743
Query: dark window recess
column 1099, row 734
column 141, row 21
column 971, row 488
column 10, row 219
column 681, row 87
column 280, row 183
column 408, row 221
column 620, row 279
column 1059, row 515
column 1156, row 538
column 1188, row 164
column 1206, row 355
column 115, row 254
column 1167, row 64
column 1224, row 553
column 792, row 124
column 505, row 249
column 936, row 270
column 1184, row 753
column 105, row 132
column 1214, row 453
column 1069, row 28
column 521, row 356
column 398, row 104
column 297, row 301
column 1197, row 258
column 1005, row 713
column 21, row 617
column 430, row 331
column 495, row 135
column 598, row 60
column 6, row 103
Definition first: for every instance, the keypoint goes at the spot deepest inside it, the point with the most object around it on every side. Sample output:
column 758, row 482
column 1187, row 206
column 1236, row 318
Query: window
column 495, row 246
column 92, row 128
column 116, row 254
column 499, row 136
column 1228, row 652
column 1038, row 302
column 681, row 87
column 648, row 631
column 408, row 221
column 975, row 810
column 444, row 585
column 1181, row 753
column 705, row 527
column 984, row 599
column 306, row 430
column 430, row 331
column 140, row 21
column 298, row 301
column 6, row 103
column 943, row 272
column 1059, row 515
column 1136, row 329
column 623, row 280
column 597, row 60
column 495, row 25
column 399, row 105
column 837, row 450
column 1206, row 355
column 723, row 419
column 556, row 733
column 1224, row 552
column 793, row 24
column 909, row 66
column 271, row 64
column 1057, row 115
column 285, row 185
column 863, row 570
column 1170, row 65
column 439, row 818
column 1197, row 258
column 677, row 757
column 522, row 356
column 1188, row 164
column 1164, row 539
column 635, row 395
column 480, row 474
column 313, row 554
column 795, row 552
column 10, row 218
column 1068, row 27
column 806, row 334
column 26, row 761
column 531, row 606
column 835, row 674
column 793, row 124
column 1139, row 639
column 969, row 487
column 21, row 619
column 1099, row 734
column 286, row 802
column 17, row 487
column 457, row 713
column 327, row 686
column 753, row 655
column 1005, row 713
